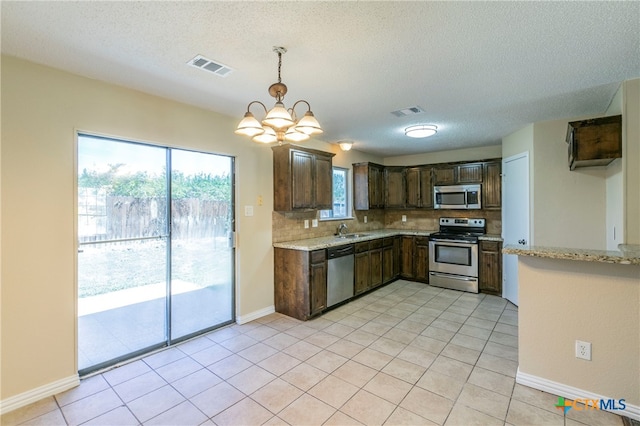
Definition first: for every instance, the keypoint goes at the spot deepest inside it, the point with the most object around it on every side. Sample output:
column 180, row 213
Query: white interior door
column 515, row 218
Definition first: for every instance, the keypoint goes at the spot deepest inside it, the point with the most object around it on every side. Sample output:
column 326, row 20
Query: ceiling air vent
column 211, row 66
column 408, row 111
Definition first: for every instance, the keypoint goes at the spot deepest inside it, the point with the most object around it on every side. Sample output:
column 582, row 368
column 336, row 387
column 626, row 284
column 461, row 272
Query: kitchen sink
column 351, row 235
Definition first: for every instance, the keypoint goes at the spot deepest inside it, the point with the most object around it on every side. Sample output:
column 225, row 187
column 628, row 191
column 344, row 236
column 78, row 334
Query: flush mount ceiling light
column 345, row 145
column 279, row 124
column 421, row 131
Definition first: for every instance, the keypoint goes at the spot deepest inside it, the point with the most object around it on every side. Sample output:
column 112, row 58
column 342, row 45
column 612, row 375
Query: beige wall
column 466, row 154
column 569, row 206
column 631, row 157
column 42, row 109
column 562, row 301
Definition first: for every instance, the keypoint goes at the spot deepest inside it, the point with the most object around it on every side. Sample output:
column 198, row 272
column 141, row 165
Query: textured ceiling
column 480, row 70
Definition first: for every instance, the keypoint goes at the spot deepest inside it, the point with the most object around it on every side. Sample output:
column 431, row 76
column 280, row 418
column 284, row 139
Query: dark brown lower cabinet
column 375, row 259
column 490, row 271
column 421, row 259
column 318, row 281
column 300, row 282
column 362, row 265
column 406, row 257
column 389, row 260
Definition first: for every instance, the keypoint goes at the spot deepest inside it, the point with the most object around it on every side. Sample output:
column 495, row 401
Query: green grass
column 104, row 268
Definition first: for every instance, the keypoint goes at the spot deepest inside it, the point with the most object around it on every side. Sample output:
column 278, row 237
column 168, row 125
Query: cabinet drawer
column 318, row 256
column 375, row 244
column 489, row 246
column 387, row 241
column 360, row 247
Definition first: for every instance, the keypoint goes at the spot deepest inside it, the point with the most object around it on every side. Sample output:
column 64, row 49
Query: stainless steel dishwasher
column 340, row 274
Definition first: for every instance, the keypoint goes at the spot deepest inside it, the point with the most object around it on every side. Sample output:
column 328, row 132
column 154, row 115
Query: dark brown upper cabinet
column 454, row 174
column 302, row 179
column 368, row 186
column 595, row 142
column 419, row 187
column 394, row 187
column 492, row 186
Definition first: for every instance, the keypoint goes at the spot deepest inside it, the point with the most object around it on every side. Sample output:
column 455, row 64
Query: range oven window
column 453, row 255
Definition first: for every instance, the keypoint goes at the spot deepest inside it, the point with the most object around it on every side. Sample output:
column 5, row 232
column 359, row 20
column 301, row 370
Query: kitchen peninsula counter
column 629, row 254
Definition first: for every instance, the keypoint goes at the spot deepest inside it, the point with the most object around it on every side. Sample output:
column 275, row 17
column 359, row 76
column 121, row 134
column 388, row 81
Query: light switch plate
column 314, row 223
column 306, row 224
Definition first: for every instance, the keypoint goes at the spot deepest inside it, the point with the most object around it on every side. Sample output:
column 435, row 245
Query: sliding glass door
column 155, row 252
column 201, row 242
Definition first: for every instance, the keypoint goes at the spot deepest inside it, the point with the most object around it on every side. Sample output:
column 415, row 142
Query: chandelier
column 279, row 124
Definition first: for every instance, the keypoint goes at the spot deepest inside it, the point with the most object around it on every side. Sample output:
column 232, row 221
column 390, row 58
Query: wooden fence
column 130, row 217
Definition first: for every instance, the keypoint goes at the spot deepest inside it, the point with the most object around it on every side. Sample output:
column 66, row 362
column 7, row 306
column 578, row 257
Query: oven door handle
column 454, row 277
column 438, row 240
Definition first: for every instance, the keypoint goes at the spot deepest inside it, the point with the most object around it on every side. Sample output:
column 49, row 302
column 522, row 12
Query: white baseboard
column 243, row 319
column 26, row 398
column 566, row 391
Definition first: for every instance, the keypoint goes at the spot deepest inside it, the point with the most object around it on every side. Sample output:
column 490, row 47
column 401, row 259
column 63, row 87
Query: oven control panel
column 464, row 222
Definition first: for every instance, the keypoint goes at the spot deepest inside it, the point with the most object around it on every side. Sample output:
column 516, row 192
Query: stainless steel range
column 453, row 253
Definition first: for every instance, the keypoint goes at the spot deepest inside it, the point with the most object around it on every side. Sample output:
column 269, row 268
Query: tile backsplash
column 289, row 226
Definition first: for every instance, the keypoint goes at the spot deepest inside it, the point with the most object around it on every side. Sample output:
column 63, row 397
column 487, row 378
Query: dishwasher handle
column 334, row 252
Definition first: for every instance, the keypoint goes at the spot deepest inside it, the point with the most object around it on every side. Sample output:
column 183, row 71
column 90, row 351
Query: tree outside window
column 340, row 196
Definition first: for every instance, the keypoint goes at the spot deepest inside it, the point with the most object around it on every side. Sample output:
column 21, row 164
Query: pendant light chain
column 279, row 66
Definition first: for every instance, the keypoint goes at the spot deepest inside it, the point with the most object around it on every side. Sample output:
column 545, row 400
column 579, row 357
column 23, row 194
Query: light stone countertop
column 629, row 254
column 318, row 243
column 333, row 241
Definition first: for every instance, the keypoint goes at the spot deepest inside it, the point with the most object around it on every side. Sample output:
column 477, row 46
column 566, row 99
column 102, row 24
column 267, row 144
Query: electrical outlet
column 314, row 223
column 365, row 219
column 583, row 350
column 306, row 224
column 404, row 217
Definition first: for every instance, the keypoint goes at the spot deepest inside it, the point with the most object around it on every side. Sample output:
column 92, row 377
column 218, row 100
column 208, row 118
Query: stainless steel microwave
column 457, row 197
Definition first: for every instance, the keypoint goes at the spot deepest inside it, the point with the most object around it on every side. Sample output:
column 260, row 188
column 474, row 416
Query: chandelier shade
column 249, row 126
column 279, row 123
column 268, row 136
column 293, row 135
column 278, row 117
column 308, row 124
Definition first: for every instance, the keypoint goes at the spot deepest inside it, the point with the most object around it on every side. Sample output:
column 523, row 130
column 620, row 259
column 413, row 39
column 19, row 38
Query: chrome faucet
column 342, row 228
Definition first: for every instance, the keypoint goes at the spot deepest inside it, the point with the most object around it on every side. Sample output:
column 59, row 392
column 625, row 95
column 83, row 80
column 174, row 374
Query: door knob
column 523, row 242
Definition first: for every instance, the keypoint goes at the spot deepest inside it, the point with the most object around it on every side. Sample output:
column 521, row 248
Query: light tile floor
column 406, row 354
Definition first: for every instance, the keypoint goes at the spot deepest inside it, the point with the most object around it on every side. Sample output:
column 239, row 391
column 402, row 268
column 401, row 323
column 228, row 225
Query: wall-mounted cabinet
column 492, row 186
column 302, row 179
column 394, row 184
column 368, row 186
column 595, row 142
column 419, row 187
column 457, row 174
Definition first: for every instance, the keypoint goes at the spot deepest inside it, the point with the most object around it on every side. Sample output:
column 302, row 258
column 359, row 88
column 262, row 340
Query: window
column 341, row 205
